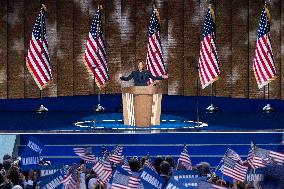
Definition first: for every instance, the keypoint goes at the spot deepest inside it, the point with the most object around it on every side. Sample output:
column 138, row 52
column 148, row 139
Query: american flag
column 37, row 59
column 234, row 156
column 259, row 157
column 154, row 61
column 70, row 179
column 95, row 53
column 263, row 63
column 103, row 169
column 116, row 156
column 184, row 161
column 122, row 181
column 208, row 59
column 126, row 166
column 234, row 169
column 85, row 154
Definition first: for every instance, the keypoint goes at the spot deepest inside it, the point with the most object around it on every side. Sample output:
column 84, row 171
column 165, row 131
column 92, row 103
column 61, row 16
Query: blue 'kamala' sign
column 151, row 180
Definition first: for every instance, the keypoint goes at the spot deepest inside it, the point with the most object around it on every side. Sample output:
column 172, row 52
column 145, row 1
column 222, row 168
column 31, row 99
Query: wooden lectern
column 141, row 105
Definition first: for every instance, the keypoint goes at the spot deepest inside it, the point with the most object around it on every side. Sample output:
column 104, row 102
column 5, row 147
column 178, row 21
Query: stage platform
column 74, row 114
column 112, row 122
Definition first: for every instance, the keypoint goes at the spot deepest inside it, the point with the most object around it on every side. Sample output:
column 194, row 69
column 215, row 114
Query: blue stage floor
column 112, row 121
column 178, row 114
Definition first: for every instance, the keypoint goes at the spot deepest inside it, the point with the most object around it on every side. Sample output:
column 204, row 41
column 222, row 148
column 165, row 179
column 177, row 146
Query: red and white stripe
column 81, row 152
column 154, row 60
column 37, row 59
column 103, row 171
column 133, row 183
column 238, row 172
column 96, row 59
column 155, row 55
column 263, row 65
column 116, row 157
column 208, row 62
column 208, row 59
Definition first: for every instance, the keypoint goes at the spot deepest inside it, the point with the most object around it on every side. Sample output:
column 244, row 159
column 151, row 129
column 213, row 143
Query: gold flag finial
column 44, row 7
column 267, row 11
column 211, row 7
column 156, row 10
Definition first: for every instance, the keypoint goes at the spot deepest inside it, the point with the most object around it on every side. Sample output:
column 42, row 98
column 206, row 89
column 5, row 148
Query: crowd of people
column 13, row 178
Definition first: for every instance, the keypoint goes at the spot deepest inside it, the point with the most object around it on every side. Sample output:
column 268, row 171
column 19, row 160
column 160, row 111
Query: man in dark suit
column 141, row 76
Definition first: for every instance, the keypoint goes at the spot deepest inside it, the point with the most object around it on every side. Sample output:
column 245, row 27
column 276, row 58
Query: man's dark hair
column 170, row 160
column 157, row 163
column 203, row 168
column 13, row 175
column 134, row 164
column 142, row 160
column 7, row 156
column 7, row 164
column 82, row 162
column 165, row 168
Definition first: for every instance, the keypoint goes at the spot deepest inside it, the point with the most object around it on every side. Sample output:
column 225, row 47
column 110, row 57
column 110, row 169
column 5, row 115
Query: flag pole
column 98, row 107
column 267, row 108
column 42, row 108
column 212, row 108
column 197, row 96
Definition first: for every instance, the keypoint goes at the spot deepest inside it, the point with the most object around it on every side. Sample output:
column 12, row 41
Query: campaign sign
column 151, row 180
column 35, row 145
column 255, row 175
column 174, row 184
column 52, row 181
column 29, row 160
column 188, row 178
column 46, row 170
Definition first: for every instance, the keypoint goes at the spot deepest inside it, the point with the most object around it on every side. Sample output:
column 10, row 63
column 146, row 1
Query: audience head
column 157, row 163
column 7, row 164
column 165, row 168
column 134, row 164
column 203, row 168
column 170, row 160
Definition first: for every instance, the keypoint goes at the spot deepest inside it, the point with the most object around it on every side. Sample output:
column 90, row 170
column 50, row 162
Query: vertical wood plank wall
column 125, row 24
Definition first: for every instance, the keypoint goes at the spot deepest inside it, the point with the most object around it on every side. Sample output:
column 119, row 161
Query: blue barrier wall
column 209, row 147
column 112, row 102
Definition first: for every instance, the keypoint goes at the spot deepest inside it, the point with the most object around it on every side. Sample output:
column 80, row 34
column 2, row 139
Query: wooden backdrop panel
column 113, row 44
column 128, row 36
column 125, row 23
column 32, row 8
column 192, row 35
column 82, row 80
column 255, row 8
column 16, row 54
column 281, row 73
column 3, row 49
column 224, row 47
column 65, row 27
column 51, row 89
column 276, row 46
column 175, row 47
column 240, row 61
